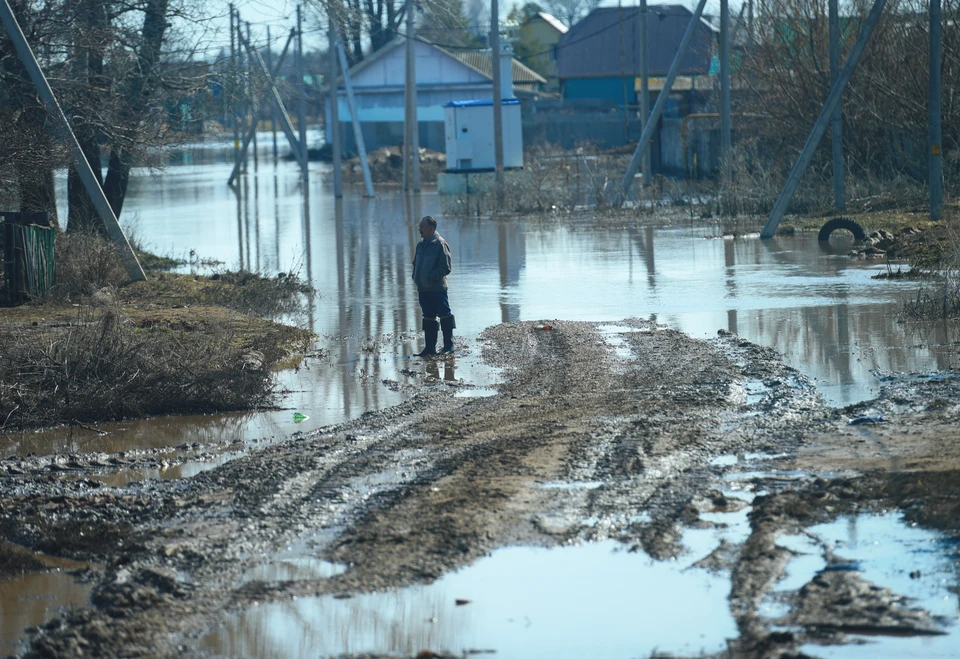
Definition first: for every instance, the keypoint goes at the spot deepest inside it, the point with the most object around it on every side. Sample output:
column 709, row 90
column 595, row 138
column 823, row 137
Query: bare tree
column 571, row 11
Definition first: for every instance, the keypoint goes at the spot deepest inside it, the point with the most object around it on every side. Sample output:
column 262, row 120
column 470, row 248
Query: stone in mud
column 844, row 600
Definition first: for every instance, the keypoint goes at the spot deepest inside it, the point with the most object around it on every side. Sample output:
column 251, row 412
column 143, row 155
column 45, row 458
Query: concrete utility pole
column 302, row 96
column 649, row 126
column 275, row 106
column 355, row 120
column 285, row 123
column 820, row 127
column 644, row 87
column 90, row 181
column 725, row 130
column 936, row 157
column 234, row 47
column 244, row 75
column 836, row 126
column 497, row 96
column 407, row 84
column 273, row 116
column 253, row 107
column 333, row 130
column 412, row 141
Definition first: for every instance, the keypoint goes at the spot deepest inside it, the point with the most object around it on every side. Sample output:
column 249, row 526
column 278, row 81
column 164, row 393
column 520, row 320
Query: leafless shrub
column 85, row 263
column 785, row 78
column 938, row 295
column 104, row 367
column 552, row 180
column 259, row 294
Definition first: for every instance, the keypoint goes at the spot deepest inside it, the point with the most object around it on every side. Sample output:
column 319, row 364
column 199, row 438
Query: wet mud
column 711, row 455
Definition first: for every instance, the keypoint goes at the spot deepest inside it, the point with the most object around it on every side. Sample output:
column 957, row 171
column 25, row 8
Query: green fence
column 27, row 242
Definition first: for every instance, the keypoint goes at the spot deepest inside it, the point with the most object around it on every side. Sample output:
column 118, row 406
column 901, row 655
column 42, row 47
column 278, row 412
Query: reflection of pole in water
column 256, row 217
column 945, row 357
column 646, row 246
column 730, row 261
column 236, row 192
column 504, row 274
column 307, row 251
column 844, row 342
column 246, row 219
column 347, row 381
column 276, row 217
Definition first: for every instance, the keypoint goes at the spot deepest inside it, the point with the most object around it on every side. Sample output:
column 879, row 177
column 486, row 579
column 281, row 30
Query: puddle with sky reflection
column 587, row 600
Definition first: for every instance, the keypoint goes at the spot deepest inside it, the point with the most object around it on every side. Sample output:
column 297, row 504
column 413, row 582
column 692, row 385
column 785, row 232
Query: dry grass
column 93, row 351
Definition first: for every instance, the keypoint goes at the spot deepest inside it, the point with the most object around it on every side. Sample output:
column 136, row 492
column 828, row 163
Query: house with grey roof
column 599, row 57
column 443, row 76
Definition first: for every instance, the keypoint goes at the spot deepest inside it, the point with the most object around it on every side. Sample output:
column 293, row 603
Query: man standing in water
column 431, row 265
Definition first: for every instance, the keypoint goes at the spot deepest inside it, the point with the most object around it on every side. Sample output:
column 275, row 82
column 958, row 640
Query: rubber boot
column 430, row 329
column 448, row 323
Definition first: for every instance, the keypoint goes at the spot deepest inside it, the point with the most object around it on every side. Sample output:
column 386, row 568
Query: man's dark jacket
column 431, row 264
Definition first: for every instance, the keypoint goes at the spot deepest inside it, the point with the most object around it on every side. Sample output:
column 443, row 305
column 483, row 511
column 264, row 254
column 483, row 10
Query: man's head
column 428, row 227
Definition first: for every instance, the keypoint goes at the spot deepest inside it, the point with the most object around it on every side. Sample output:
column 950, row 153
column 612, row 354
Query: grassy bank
column 95, row 350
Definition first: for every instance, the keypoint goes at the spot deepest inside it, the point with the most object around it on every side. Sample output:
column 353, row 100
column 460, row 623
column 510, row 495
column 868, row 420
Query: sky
column 280, row 15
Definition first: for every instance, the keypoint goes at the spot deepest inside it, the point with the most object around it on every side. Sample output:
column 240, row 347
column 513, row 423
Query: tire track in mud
column 568, row 411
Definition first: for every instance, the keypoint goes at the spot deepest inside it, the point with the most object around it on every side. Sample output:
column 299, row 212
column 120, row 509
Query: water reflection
column 578, row 601
column 36, row 597
column 820, row 309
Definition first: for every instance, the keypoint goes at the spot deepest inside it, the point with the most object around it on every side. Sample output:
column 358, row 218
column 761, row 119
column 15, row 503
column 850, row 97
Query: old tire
column 839, row 223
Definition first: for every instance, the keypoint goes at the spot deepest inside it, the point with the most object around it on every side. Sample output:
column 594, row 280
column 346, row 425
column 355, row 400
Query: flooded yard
column 818, row 307
column 710, row 452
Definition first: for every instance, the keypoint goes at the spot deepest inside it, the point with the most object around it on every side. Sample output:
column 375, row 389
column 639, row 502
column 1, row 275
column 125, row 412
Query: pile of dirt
column 386, row 166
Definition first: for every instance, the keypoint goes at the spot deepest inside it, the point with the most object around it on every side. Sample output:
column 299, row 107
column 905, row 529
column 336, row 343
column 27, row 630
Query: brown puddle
column 35, row 597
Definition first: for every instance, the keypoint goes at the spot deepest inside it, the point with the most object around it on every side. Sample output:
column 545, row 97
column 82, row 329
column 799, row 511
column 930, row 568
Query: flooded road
column 819, row 308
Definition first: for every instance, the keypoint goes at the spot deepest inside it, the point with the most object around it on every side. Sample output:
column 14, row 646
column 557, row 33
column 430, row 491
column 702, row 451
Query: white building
column 443, row 76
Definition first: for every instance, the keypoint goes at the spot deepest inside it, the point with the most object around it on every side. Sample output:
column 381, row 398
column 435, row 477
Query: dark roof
column 592, row 47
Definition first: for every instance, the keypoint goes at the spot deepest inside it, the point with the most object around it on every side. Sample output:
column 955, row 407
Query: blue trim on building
column 610, row 88
column 480, row 103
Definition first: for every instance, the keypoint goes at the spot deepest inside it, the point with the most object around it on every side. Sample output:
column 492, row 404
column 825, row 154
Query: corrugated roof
column 680, row 84
column 554, row 22
column 523, row 76
column 481, row 62
column 592, row 47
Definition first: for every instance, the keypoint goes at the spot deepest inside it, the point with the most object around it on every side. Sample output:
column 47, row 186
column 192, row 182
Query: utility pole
column 272, row 99
column 412, row 141
column 634, row 165
column 725, row 130
column 836, row 125
column 820, row 127
column 355, row 119
column 273, row 116
column 302, row 104
column 408, row 83
column 333, row 130
column 644, row 88
column 233, row 88
column 90, row 181
column 254, row 116
column 750, row 33
column 936, row 157
column 497, row 97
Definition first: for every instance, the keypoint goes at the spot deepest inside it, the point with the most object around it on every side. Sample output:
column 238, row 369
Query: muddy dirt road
column 406, row 495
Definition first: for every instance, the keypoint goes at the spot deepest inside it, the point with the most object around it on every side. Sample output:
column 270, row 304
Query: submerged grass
column 93, row 350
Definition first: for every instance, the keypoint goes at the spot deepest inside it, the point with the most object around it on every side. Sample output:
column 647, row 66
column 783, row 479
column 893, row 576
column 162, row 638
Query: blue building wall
column 600, row 88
